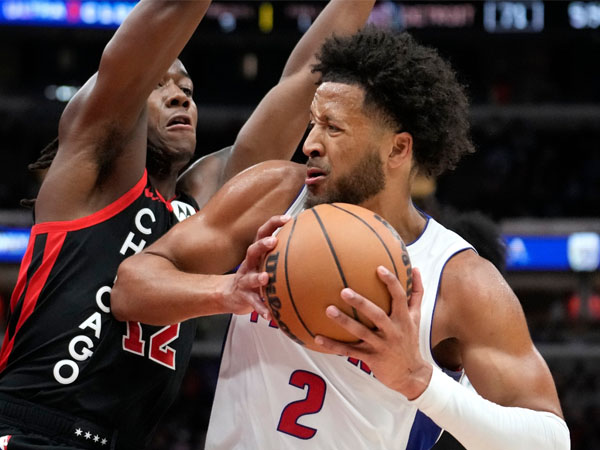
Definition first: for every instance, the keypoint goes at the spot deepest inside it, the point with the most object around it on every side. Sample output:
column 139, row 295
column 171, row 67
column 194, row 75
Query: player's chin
column 313, row 198
column 182, row 147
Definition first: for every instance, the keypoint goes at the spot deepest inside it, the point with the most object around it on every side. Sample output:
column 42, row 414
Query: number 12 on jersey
column 159, row 352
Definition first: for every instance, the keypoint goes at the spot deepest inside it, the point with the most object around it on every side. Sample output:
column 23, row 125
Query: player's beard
column 364, row 180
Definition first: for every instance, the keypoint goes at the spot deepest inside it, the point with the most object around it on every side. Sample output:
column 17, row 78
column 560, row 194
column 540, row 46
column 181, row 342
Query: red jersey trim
column 100, row 216
column 38, row 280
column 22, row 279
column 158, row 197
column 167, row 203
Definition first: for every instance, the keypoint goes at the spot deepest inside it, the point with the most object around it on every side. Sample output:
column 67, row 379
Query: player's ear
column 401, row 152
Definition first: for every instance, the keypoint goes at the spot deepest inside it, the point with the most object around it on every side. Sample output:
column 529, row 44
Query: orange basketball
column 320, row 252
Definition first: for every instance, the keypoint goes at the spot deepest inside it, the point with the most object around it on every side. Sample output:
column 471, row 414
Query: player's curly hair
column 43, row 162
column 410, row 85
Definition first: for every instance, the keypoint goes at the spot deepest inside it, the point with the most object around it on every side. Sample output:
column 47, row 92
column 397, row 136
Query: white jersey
column 273, row 394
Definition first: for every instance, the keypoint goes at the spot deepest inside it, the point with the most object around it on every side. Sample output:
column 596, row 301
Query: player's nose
column 177, row 98
column 313, row 145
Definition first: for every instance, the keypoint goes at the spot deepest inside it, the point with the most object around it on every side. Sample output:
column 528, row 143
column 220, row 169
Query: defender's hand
column 245, row 285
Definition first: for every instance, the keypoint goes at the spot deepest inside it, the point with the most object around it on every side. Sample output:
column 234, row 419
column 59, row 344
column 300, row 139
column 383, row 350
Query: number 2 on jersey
column 311, row 404
column 160, row 352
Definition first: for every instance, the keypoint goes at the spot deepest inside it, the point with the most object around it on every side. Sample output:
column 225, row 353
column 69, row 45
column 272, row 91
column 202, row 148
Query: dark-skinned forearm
column 150, row 289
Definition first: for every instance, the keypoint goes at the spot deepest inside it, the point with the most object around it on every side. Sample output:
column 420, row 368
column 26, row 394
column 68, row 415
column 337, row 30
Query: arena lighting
column 78, row 13
column 408, row 16
column 579, row 252
column 13, row 243
column 265, row 17
column 227, row 22
column 513, row 17
column 584, row 15
column 61, row 93
column 498, row 17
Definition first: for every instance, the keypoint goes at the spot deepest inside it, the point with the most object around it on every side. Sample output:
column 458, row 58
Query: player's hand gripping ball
column 323, row 250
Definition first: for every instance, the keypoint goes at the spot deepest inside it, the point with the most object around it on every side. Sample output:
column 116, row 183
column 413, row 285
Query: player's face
column 172, row 114
column 344, row 148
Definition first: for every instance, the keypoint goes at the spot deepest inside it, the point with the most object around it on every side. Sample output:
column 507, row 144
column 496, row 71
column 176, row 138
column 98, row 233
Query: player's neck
column 165, row 185
column 399, row 210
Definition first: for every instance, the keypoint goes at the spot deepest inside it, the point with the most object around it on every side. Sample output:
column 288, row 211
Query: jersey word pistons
column 275, row 394
column 64, row 350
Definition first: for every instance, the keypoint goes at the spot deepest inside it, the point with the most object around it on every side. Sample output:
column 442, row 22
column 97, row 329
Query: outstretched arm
column 102, row 132
column 277, row 125
column 516, row 405
column 179, row 276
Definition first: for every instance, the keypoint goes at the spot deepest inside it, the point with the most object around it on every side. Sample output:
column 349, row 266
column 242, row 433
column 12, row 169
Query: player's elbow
column 123, row 293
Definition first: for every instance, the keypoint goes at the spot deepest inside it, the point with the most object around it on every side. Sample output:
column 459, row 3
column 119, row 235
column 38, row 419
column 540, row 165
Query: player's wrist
column 222, row 294
column 417, row 382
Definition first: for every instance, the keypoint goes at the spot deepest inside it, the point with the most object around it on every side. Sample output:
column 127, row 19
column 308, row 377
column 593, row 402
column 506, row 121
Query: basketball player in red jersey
column 386, row 108
column 71, row 376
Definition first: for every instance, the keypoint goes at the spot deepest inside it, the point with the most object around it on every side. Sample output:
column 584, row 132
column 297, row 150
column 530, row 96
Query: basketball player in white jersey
column 386, row 108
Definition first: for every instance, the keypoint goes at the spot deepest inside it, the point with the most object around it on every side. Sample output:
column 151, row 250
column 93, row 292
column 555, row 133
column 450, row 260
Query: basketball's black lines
column 337, row 262
column 387, row 250
column 287, row 278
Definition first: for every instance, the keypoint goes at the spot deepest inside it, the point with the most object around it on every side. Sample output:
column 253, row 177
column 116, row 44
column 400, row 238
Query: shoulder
column 467, row 270
column 277, row 171
column 266, row 179
column 204, row 177
column 474, row 295
column 260, row 191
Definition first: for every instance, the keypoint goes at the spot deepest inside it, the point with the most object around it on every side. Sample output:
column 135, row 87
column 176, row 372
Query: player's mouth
column 180, row 122
column 314, row 175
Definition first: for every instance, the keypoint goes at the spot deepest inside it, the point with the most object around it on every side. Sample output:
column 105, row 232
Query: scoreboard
column 535, row 16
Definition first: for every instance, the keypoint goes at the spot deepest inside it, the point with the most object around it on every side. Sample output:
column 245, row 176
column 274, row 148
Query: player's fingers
column 351, row 325
column 248, row 287
column 396, row 290
column 365, row 307
column 257, row 251
column 253, row 280
column 417, row 291
column 328, row 345
column 259, row 306
column 269, row 227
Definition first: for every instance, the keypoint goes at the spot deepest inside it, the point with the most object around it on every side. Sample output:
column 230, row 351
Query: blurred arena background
column 533, row 74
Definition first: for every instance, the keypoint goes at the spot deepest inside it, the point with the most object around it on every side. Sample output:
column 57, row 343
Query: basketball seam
column 387, row 250
column 334, row 254
column 287, row 279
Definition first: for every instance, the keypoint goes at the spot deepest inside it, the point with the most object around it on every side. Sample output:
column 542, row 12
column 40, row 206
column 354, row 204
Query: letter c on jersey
column 129, row 244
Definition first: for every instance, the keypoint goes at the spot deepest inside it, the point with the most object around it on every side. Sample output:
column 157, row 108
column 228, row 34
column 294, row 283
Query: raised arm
column 179, row 276
column 277, row 125
column 102, row 132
